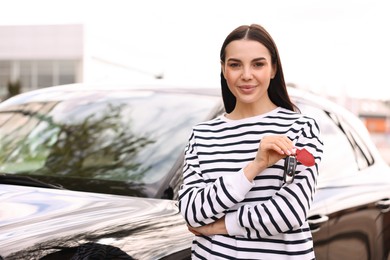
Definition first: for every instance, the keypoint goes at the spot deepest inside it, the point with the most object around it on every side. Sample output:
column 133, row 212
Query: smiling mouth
column 246, row 89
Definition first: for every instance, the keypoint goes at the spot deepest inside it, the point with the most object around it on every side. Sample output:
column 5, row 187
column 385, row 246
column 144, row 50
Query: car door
column 354, row 221
column 350, row 214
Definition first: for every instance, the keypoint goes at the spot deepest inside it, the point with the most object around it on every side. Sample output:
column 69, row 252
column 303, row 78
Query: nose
column 246, row 73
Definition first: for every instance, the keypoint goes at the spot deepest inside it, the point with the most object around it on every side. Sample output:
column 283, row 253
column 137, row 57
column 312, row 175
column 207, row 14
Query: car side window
column 337, row 147
column 363, row 156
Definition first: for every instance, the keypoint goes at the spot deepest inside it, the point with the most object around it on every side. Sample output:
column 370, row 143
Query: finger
column 270, row 145
column 285, row 145
column 278, row 143
column 279, row 146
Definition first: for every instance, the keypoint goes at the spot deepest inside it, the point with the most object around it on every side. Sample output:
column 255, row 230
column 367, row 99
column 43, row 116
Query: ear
column 274, row 70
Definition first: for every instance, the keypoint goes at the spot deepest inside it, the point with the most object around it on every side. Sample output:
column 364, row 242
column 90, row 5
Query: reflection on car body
column 101, row 166
column 124, row 222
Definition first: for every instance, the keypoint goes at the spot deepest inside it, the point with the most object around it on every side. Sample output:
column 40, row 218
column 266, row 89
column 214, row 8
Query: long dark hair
column 277, row 90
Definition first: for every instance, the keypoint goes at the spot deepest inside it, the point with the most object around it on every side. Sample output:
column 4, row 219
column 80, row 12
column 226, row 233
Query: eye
column 258, row 64
column 234, row 64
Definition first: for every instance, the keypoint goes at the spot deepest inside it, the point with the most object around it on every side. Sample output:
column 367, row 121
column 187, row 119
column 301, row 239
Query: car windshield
column 120, row 136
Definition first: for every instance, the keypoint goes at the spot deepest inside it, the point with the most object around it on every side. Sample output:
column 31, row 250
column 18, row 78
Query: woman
column 234, row 197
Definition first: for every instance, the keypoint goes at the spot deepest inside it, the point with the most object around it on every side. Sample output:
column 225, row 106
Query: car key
column 290, row 165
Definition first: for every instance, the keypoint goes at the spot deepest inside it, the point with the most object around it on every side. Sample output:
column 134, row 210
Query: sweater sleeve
column 288, row 209
column 202, row 202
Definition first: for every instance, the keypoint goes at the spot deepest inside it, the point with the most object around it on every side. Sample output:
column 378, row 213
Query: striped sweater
column 265, row 218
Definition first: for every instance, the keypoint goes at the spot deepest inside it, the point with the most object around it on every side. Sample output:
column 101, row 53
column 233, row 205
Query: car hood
column 36, row 220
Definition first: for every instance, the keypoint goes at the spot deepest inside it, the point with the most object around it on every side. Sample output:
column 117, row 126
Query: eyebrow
column 254, row 60
column 259, row 59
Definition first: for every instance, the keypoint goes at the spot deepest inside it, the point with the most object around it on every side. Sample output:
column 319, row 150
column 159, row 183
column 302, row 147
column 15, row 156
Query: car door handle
column 316, row 221
column 383, row 205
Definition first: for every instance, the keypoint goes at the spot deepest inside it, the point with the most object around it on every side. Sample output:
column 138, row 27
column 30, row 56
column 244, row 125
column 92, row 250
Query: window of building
column 66, row 73
column 34, row 74
column 5, row 74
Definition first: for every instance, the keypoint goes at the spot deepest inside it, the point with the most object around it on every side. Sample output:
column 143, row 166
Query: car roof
column 72, row 90
column 78, row 90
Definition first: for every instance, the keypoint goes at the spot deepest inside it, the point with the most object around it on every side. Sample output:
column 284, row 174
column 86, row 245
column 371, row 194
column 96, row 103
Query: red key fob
column 304, row 157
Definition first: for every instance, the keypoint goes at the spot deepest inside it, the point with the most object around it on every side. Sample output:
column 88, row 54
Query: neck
column 249, row 110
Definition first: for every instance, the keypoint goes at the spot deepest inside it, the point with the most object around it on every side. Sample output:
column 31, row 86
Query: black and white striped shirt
column 266, row 218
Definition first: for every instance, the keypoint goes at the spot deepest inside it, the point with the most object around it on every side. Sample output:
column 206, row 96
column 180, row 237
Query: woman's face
column 248, row 70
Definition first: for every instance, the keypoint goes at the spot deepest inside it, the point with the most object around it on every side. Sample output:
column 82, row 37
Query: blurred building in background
column 375, row 115
column 37, row 56
column 40, row 56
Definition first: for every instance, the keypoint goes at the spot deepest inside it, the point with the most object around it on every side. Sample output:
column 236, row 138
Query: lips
column 246, row 88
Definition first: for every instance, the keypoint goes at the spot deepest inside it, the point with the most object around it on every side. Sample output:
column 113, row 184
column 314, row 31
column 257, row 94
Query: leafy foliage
column 100, row 146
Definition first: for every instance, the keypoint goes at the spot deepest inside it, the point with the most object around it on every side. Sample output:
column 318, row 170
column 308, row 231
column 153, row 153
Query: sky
column 332, row 47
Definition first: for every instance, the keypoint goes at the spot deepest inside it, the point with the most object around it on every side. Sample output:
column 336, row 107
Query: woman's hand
column 271, row 149
column 216, row 228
